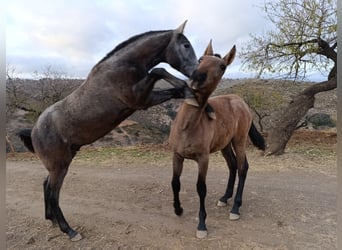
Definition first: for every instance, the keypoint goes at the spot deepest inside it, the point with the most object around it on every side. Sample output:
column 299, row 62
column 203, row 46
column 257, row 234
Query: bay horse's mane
column 130, row 40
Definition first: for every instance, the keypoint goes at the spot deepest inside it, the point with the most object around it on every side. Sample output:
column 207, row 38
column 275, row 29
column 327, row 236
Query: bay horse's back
column 232, row 111
column 232, row 103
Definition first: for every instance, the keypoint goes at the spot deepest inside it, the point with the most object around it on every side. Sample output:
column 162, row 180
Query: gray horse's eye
column 186, row 45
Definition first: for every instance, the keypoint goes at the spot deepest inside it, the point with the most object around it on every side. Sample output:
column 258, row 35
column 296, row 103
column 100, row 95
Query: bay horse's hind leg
column 230, row 158
column 242, row 173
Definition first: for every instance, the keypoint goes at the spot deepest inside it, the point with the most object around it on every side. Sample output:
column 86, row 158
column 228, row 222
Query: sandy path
column 289, row 203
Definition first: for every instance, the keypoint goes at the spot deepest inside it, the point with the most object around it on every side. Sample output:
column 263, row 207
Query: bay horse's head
column 209, row 72
column 180, row 54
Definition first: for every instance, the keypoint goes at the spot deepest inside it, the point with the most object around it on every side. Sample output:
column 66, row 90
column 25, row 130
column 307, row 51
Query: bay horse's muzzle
column 197, row 79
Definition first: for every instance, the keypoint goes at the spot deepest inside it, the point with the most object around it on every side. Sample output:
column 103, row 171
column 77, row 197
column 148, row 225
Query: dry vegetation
column 266, row 97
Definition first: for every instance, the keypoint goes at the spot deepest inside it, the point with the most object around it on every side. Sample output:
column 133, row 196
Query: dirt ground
column 123, row 200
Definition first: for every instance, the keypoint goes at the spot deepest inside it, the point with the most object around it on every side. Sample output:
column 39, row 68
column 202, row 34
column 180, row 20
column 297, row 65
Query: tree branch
column 326, row 50
column 320, row 87
column 299, row 44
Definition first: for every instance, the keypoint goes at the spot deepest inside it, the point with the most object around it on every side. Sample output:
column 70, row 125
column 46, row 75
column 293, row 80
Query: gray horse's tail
column 256, row 138
column 25, row 136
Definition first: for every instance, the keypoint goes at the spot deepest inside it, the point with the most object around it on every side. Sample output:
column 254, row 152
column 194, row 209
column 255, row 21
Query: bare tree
column 14, row 91
column 34, row 95
column 261, row 100
column 304, row 39
column 52, row 85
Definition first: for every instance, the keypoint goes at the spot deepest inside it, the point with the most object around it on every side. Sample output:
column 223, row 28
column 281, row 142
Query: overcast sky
column 73, row 35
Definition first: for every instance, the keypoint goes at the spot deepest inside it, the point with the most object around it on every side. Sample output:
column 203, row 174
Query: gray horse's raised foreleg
column 179, row 84
column 145, row 97
column 187, row 92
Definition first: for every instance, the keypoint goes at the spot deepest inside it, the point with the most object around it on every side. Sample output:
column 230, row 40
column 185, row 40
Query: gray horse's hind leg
column 48, row 211
column 52, row 187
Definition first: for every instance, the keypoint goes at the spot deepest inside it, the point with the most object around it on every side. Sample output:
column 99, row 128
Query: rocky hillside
column 152, row 126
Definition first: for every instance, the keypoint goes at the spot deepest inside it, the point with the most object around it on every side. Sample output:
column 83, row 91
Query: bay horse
column 194, row 135
column 118, row 85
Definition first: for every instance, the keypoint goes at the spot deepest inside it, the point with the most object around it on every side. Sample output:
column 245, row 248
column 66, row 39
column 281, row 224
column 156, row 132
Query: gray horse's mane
column 130, row 40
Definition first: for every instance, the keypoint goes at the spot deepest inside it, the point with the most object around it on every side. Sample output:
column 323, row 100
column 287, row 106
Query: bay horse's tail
column 25, row 136
column 256, row 138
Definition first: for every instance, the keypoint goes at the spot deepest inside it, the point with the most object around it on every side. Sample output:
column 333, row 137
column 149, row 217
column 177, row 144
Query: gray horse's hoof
column 234, row 216
column 77, row 237
column 200, row 234
column 221, row 204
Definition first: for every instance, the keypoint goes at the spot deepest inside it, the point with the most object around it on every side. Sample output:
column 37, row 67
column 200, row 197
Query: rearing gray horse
column 118, row 85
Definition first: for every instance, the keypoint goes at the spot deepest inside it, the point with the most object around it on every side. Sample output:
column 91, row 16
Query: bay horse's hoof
column 221, row 204
column 212, row 115
column 77, row 237
column 192, row 102
column 179, row 211
column 200, row 234
column 234, row 216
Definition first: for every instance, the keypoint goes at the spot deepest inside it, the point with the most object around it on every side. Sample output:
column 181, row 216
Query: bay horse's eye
column 200, row 59
column 223, row 67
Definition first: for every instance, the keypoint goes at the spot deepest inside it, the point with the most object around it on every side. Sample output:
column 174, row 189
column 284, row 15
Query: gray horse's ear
column 209, row 50
column 230, row 56
column 180, row 29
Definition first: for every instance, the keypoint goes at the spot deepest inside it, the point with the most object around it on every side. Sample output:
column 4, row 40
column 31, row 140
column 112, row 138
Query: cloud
column 78, row 33
column 225, row 22
column 57, row 29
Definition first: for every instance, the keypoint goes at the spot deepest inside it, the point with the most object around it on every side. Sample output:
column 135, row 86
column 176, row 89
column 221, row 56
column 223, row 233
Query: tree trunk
column 280, row 135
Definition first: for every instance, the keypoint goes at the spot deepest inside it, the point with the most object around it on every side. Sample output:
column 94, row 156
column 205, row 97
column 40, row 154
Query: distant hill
column 152, row 125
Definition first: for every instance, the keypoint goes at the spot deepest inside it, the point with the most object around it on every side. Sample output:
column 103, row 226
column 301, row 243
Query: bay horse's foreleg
column 175, row 183
column 242, row 173
column 230, row 158
column 202, row 192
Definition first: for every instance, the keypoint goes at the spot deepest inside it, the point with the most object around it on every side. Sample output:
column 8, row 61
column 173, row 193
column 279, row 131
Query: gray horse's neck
column 147, row 46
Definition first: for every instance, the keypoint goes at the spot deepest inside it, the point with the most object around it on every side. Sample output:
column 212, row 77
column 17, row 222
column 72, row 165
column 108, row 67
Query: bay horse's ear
column 180, row 29
column 230, row 56
column 209, row 50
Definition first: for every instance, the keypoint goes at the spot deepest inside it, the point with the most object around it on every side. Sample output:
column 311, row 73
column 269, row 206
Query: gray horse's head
column 180, row 54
